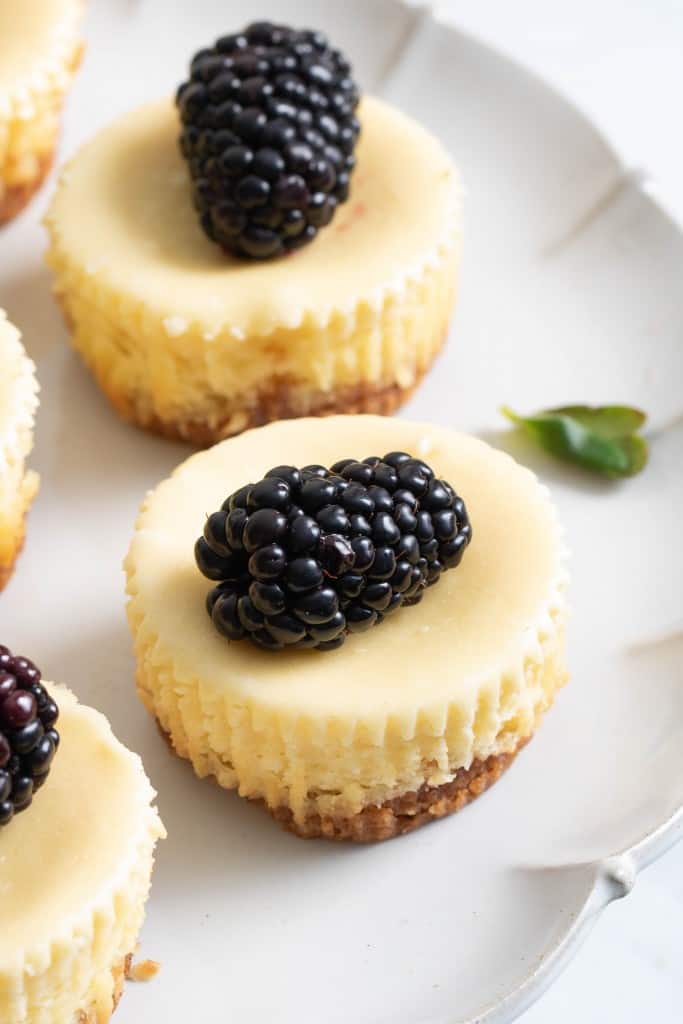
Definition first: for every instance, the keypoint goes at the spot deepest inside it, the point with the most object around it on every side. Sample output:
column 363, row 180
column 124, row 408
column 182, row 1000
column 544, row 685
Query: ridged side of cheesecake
column 327, row 780
column 30, row 108
column 68, row 933
column 18, row 486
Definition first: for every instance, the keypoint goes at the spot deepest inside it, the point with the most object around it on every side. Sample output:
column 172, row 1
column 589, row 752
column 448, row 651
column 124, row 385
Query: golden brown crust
column 16, row 197
column 402, row 814
column 405, row 813
column 278, row 399
column 380, row 399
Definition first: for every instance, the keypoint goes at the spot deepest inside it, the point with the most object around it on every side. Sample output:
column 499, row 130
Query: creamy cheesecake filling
column 18, row 403
column 132, row 182
column 463, row 675
column 76, row 869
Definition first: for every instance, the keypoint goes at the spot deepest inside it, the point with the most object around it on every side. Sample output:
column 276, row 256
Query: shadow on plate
column 551, row 471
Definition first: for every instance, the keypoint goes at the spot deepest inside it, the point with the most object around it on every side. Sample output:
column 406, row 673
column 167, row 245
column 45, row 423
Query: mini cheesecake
column 76, row 868
column 403, row 723
column 18, row 403
column 193, row 343
column 40, row 49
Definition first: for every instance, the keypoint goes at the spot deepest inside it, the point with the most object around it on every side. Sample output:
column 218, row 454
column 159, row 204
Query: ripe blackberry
column 268, row 133
column 28, row 739
column 306, row 556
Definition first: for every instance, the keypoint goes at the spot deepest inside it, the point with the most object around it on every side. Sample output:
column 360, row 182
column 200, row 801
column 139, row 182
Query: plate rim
column 614, row 876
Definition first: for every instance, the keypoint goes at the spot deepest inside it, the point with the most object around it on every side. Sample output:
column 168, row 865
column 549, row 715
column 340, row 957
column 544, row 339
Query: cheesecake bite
column 77, row 837
column 386, row 622
column 40, row 49
column 18, row 404
column 268, row 246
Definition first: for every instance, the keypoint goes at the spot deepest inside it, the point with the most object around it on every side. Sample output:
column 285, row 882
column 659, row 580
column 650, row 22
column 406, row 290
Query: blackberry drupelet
column 306, row 556
column 269, row 132
column 28, row 738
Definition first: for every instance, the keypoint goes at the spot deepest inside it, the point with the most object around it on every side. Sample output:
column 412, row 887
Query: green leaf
column 603, row 439
column 604, row 420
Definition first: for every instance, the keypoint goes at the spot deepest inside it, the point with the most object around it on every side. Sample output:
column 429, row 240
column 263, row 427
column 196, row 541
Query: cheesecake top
column 35, row 39
column 63, row 856
column 474, row 629
column 132, row 182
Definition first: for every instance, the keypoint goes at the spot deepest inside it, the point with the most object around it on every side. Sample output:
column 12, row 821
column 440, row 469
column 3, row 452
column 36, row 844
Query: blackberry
column 306, row 556
column 269, row 132
column 28, row 738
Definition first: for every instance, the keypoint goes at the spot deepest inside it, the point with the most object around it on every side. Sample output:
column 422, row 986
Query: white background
column 622, row 62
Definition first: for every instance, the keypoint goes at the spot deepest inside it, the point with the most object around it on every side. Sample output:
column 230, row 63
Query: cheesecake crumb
column 145, row 970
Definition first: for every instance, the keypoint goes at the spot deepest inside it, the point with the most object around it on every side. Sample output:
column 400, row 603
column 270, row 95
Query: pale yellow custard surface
column 179, row 333
column 75, row 869
column 18, row 404
column 463, row 675
column 132, row 183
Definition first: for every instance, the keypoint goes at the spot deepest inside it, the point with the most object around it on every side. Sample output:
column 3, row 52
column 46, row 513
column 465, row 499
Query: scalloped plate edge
column 612, row 877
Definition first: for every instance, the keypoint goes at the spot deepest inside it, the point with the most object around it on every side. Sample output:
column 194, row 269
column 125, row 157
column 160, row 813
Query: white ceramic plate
column 570, row 292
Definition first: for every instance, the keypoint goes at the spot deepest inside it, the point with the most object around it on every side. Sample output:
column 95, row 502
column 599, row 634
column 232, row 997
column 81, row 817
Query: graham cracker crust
column 16, row 197
column 401, row 814
column 404, row 813
column 279, row 404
